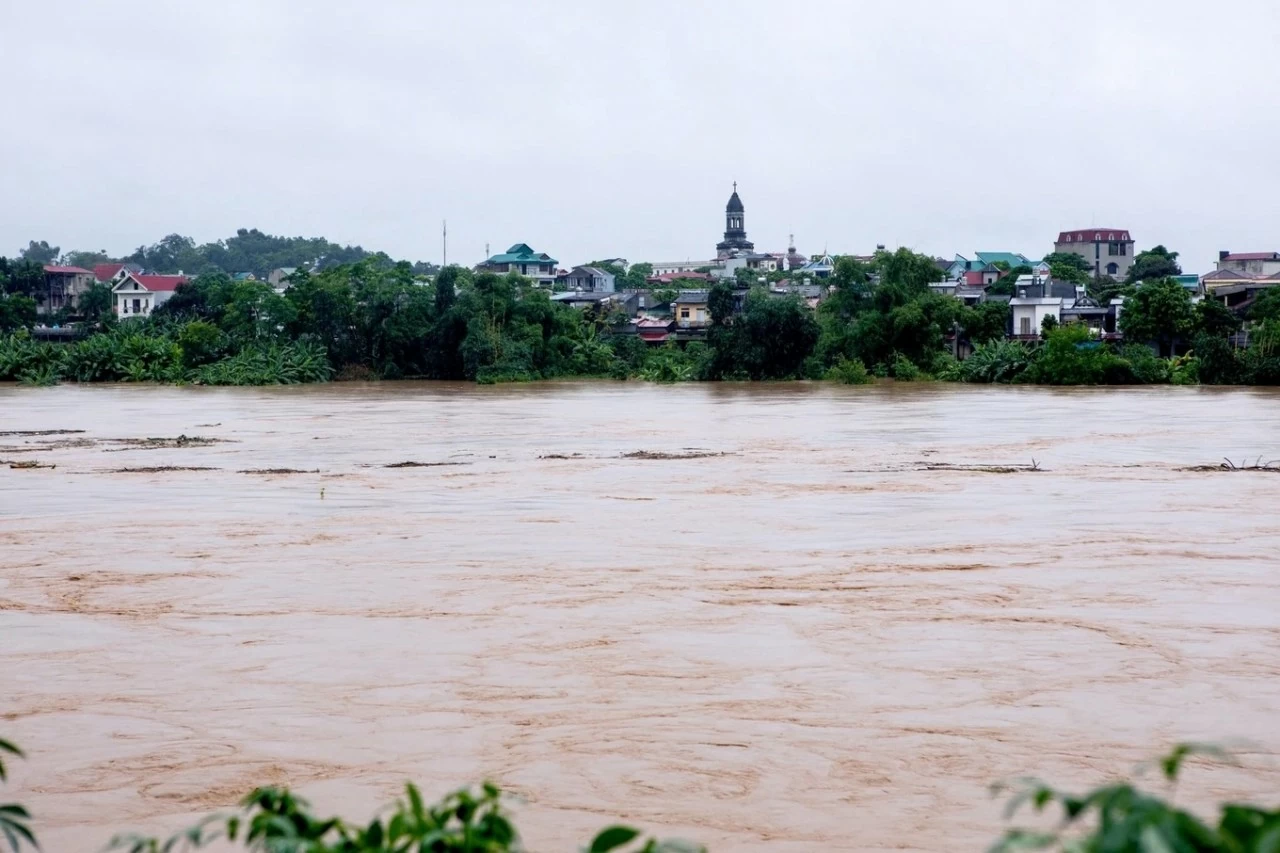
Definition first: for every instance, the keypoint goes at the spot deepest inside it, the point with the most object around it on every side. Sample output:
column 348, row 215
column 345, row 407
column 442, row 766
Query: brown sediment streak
column 756, row 619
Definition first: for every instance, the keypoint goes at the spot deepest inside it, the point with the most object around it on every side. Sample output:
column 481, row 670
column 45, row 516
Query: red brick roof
column 106, row 272
column 65, row 270
column 159, row 283
column 1090, row 235
column 1253, row 256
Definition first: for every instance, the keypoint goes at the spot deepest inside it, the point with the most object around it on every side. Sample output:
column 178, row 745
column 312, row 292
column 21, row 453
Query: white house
column 137, row 295
column 1037, row 298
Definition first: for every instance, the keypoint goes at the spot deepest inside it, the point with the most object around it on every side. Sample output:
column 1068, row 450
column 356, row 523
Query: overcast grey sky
column 590, row 128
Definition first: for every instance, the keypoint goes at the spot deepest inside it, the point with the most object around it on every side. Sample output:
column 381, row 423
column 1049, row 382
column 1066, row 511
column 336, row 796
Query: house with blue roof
column 523, row 260
column 820, row 268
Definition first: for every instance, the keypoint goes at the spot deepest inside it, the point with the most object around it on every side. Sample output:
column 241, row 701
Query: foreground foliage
column 275, row 821
column 1114, row 818
column 1121, row 817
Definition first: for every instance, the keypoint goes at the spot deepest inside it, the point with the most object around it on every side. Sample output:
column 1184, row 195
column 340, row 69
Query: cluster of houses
column 1033, row 297
column 134, row 291
column 656, row 316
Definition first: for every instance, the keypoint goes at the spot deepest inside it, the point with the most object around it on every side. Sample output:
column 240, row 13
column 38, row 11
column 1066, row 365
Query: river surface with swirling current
column 804, row 618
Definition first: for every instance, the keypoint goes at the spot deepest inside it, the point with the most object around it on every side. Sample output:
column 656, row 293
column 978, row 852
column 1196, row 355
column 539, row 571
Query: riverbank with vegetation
column 375, row 319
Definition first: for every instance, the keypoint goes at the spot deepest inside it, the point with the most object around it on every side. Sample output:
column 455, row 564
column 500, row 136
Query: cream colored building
column 1109, row 251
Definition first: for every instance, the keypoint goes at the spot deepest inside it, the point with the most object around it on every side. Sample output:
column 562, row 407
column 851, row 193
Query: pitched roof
column 106, row 272
column 521, row 253
column 157, row 283
column 1013, row 259
column 1253, row 256
column 1229, row 275
column 692, row 297
column 57, row 270
column 735, row 204
column 1090, row 235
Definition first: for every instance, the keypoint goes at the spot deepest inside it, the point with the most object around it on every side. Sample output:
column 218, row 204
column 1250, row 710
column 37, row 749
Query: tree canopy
column 1159, row 312
column 1155, row 263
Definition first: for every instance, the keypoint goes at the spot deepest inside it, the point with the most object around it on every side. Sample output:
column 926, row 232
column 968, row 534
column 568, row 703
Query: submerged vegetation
column 375, row 319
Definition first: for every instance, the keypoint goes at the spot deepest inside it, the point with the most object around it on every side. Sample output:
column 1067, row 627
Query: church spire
column 735, row 228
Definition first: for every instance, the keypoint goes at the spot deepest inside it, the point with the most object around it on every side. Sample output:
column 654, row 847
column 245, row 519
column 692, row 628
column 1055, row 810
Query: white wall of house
column 1029, row 314
column 681, row 266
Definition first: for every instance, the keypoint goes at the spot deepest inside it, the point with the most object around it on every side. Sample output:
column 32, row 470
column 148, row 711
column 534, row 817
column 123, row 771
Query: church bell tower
column 735, row 229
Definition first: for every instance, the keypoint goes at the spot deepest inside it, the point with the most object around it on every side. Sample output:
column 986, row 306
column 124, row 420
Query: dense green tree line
column 378, row 319
column 247, row 251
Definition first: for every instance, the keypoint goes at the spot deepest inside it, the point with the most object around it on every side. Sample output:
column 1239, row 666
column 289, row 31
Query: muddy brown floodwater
column 753, row 616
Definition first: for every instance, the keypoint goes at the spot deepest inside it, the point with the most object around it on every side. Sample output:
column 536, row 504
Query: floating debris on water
column 1228, row 465
column 28, row 433
column 654, row 454
column 160, row 469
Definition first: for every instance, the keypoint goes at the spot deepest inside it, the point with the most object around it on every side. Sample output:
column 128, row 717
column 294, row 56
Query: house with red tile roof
column 137, row 295
column 1109, row 251
column 109, row 273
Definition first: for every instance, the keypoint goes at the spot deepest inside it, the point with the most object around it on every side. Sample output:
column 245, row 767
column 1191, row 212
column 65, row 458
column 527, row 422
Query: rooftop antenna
column 444, row 233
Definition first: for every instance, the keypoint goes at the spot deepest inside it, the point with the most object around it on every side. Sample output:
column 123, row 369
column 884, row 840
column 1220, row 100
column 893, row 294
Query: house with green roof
column 986, row 260
column 521, row 259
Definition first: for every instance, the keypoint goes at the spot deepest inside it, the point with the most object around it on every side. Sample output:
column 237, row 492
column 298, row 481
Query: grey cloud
column 590, row 129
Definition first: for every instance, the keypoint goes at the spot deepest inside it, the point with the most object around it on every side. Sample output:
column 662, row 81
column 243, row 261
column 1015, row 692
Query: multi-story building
column 1109, row 251
column 521, row 259
column 1257, row 263
column 63, row 287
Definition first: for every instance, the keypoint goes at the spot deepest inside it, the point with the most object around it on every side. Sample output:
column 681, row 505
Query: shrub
column 30, row 362
column 848, row 371
column 904, row 369
column 202, row 343
column 1144, row 366
column 1071, row 356
column 998, row 361
column 275, row 364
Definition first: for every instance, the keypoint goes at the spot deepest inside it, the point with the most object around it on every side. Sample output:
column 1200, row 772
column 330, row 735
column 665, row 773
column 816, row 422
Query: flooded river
column 796, row 623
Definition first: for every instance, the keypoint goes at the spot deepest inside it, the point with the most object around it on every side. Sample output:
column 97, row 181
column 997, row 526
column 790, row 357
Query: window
column 1124, row 249
column 1113, row 268
column 1113, row 249
column 137, row 306
column 1025, row 329
column 684, row 313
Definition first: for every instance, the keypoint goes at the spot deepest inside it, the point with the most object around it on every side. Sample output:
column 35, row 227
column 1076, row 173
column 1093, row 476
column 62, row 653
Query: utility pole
column 445, row 236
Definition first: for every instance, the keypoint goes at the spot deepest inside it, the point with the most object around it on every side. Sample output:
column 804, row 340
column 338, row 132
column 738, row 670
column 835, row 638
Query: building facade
column 590, row 280
column 137, row 295
column 521, row 259
column 1109, row 251
column 1256, row 263
column 63, row 287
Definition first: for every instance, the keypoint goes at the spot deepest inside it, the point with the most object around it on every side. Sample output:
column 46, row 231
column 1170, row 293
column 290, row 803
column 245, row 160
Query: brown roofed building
column 1256, row 263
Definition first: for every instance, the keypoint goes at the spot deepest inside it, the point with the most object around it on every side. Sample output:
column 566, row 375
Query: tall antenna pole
column 444, row 228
